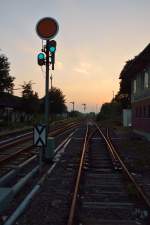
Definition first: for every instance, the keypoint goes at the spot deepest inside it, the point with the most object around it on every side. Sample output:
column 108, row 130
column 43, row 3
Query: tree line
column 30, row 101
column 122, row 100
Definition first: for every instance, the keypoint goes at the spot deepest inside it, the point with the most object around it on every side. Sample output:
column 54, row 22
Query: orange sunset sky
column 95, row 39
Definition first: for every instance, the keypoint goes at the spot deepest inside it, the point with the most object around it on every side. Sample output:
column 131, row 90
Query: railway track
column 15, row 140
column 25, row 177
column 12, row 141
column 22, row 145
column 101, row 194
column 89, row 185
column 64, row 157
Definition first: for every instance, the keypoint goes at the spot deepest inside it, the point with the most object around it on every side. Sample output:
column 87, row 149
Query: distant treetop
column 6, row 80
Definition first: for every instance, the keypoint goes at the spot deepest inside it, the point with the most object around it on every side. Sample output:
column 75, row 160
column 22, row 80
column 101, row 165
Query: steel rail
column 29, row 197
column 19, row 132
column 78, row 179
column 11, row 174
column 74, row 200
column 61, row 129
column 130, row 177
column 9, row 157
column 28, row 137
column 114, row 158
column 14, row 142
column 14, row 138
column 14, row 132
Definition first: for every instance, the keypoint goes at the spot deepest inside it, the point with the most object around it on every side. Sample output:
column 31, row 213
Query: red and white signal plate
column 47, row 28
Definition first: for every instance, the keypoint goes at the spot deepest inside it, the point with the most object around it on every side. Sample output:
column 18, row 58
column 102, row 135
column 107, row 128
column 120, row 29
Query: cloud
column 83, row 68
column 80, row 70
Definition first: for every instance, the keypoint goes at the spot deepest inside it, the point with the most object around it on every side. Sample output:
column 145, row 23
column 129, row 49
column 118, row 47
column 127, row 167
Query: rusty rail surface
column 75, row 194
column 63, row 128
column 30, row 136
column 6, row 158
column 139, row 190
column 115, row 158
column 17, row 141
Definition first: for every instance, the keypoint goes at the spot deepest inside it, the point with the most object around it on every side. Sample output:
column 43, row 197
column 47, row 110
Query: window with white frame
column 146, row 80
column 134, row 86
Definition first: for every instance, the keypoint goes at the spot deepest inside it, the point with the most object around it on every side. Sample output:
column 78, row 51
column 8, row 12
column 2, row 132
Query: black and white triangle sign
column 40, row 135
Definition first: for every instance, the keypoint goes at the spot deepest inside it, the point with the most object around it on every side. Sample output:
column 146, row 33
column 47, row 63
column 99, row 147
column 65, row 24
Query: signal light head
column 41, row 55
column 52, row 46
column 52, row 49
column 41, row 59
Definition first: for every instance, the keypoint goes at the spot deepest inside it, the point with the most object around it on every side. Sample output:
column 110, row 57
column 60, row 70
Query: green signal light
column 41, row 56
column 52, row 49
column 52, row 46
column 41, row 59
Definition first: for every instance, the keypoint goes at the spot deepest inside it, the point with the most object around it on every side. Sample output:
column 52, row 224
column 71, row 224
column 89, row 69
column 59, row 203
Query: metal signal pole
column 72, row 105
column 51, row 77
column 84, row 106
column 46, row 29
column 47, row 87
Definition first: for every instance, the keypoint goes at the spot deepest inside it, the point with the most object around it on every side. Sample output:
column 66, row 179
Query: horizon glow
column 94, row 41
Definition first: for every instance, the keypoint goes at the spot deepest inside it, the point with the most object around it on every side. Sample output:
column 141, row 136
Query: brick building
column 138, row 71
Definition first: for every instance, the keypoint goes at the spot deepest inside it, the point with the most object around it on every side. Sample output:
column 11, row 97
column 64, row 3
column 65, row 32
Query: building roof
column 137, row 64
column 11, row 101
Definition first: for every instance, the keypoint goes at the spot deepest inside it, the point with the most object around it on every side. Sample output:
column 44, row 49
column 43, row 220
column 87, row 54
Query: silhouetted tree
column 124, row 94
column 27, row 91
column 75, row 114
column 30, row 99
column 56, row 101
column 6, row 81
column 110, row 110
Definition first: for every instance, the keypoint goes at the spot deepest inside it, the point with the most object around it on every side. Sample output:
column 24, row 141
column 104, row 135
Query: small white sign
column 40, row 135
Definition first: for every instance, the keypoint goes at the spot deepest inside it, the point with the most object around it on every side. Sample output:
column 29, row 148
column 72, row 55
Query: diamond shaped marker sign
column 39, row 135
